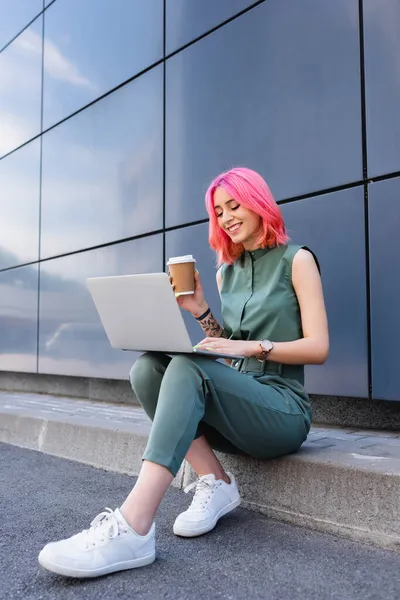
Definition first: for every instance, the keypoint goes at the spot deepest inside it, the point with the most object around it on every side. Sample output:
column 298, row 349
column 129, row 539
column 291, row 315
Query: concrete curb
column 341, row 482
column 359, row 504
column 336, row 411
column 109, row 449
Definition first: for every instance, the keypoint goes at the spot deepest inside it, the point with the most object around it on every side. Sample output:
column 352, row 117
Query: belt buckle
column 255, row 365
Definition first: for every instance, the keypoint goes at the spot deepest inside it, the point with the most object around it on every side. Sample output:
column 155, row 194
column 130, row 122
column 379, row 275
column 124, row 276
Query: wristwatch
column 266, row 347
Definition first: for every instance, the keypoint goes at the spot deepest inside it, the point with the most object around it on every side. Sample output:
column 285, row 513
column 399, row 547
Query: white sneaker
column 213, row 498
column 109, row 545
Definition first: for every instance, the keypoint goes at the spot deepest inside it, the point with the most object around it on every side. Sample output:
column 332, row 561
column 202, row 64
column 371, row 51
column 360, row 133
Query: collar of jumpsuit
column 258, row 253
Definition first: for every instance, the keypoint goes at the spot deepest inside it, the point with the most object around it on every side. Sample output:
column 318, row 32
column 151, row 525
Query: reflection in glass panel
column 14, row 19
column 21, row 79
column 93, row 46
column 384, row 227
column 103, row 170
column 194, row 240
column 333, row 227
column 186, row 21
column 72, row 340
column 382, row 85
column 19, row 206
column 18, row 319
column 287, row 104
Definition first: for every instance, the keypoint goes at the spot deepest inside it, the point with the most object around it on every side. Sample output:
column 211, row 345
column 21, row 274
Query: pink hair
column 251, row 191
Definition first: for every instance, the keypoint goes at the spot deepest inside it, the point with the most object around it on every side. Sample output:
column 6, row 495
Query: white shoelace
column 104, row 526
column 205, row 488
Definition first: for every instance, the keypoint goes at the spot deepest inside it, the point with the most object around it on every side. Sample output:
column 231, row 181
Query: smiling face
column 241, row 224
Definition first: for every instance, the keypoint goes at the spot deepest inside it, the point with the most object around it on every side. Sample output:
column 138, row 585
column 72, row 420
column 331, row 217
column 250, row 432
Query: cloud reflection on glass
column 21, row 88
column 93, row 46
column 18, row 319
column 19, row 206
column 13, row 19
column 103, row 170
column 72, row 340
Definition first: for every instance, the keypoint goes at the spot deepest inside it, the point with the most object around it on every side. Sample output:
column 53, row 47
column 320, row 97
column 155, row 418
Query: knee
column 180, row 362
column 142, row 369
column 182, row 368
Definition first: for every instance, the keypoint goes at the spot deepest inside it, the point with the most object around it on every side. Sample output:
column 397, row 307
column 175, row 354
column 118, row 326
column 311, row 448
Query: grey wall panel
column 382, row 84
column 92, row 46
column 194, row 240
column 103, row 170
column 384, row 227
column 187, row 20
column 272, row 90
column 15, row 18
column 333, row 227
column 21, row 79
column 18, row 319
column 72, row 340
column 19, row 206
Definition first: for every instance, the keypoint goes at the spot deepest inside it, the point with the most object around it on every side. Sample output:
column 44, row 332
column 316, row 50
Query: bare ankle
column 141, row 526
column 220, row 476
column 226, row 478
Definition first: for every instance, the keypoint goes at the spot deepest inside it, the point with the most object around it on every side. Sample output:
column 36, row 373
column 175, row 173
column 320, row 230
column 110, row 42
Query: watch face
column 267, row 345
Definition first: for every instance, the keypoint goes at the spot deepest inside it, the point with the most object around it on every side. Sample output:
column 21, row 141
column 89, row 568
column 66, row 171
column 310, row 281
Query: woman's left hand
column 231, row 347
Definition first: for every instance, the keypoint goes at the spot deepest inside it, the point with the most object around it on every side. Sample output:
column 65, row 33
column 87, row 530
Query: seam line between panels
column 164, row 136
column 133, row 77
column 368, row 290
column 366, row 209
column 190, row 43
column 26, row 26
column 215, row 28
column 384, row 177
column 181, row 226
column 108, row 93
column 202, row 221
column 362, row 91
column 339, row 188
column 106, row 244
column 21, row 31
column 40, row 198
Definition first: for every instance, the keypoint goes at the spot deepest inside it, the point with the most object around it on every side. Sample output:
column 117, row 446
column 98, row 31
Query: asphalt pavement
column 247, row 556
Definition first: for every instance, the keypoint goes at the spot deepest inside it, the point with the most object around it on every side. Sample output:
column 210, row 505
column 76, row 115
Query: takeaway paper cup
column 181, row 270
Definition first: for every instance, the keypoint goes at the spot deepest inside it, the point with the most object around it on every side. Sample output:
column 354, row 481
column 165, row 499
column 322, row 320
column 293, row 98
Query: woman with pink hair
column 274, row 317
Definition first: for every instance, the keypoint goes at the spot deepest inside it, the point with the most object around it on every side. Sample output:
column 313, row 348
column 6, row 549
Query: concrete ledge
column 354, row 502
column 330, row 410
column 356, row 412
column 104, row 447
column 90, row 388
column 342, row 481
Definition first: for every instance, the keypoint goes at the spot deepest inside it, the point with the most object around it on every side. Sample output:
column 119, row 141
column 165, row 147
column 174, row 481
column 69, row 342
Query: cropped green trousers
column 188, row 396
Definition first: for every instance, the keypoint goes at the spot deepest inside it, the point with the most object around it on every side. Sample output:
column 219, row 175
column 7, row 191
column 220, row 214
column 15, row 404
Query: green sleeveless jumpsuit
column 260, row 409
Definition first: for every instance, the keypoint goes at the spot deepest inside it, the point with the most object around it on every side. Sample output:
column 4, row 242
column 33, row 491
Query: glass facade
column 114, row 117
column 91, row 47
column 21, row 88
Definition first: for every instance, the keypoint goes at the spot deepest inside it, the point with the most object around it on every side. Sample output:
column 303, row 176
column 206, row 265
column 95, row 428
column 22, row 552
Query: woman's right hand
column 193, row 303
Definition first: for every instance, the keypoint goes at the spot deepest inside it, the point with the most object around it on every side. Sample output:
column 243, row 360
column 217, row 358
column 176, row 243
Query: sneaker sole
column 191, row 532
column 77, row 573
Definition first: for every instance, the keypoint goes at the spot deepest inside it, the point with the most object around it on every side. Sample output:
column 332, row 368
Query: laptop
column 140, row 312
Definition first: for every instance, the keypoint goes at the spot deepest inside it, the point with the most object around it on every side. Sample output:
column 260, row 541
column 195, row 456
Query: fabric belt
column 253, row 365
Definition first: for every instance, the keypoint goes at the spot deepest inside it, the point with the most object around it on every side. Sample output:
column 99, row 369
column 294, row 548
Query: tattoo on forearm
column 212, row 328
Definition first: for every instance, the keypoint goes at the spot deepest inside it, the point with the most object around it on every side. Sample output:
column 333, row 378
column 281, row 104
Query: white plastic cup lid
column 181, row 259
